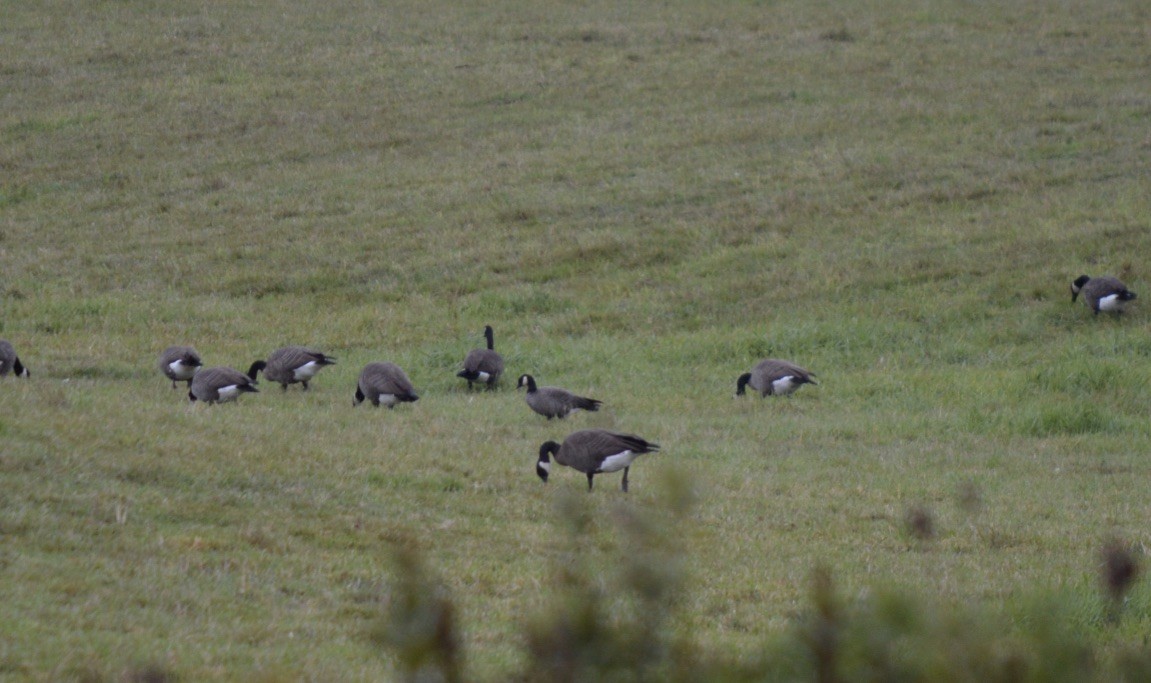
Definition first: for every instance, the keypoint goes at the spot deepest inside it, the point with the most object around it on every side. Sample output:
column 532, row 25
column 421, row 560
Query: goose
column 10, row 362
column 775, row 377
column 384, row 383
column 219, row 385
column 593, row 451
column 179, row 364
column 553, row 401
column 1102, row 293
column 291, row 364
column 483, row 365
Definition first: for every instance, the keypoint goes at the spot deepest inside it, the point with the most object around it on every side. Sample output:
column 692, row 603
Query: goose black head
column 1078, row 285
column 544, row 464
column 256, row 367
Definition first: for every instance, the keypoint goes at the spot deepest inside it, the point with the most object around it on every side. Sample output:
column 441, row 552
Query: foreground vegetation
column 643, row 200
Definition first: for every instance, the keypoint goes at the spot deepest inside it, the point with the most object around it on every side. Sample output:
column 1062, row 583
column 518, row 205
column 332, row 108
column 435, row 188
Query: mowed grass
column 643, row 200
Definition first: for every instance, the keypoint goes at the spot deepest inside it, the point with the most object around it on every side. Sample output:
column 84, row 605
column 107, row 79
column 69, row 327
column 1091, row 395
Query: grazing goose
column 593, row 451
column 553, row 401
column 10, row 362
column 219, row 385
column 775, row 377
column 1102, row 293
column 483, row 365
column 384, row 383
column 291, row 364
column 179, row 364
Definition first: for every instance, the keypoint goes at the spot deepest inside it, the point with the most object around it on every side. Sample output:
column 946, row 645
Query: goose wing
column 772, row 369
column 292, row 357
column 387, row 378
column 484, row 360
column 598, row 444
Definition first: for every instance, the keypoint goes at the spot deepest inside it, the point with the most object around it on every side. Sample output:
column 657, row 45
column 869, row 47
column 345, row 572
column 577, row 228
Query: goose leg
column 625, row 471
column 589, row 478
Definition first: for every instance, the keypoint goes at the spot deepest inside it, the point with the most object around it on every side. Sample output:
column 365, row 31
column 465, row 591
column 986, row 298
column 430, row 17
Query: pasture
column 643, row 199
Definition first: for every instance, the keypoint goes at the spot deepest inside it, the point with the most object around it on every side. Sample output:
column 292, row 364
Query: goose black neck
column 742, row 383
column 547, row 449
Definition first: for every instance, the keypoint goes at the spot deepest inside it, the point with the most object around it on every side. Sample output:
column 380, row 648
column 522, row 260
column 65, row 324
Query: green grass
column 643, row 200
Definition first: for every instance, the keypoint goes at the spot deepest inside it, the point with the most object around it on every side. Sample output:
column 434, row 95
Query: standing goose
column 219, row 385
column 553, row 401
column 775, row 377
column 10, row 362
column 483, row 365
column 593, row 451
column 179, row 364
column 1102, row 293
column 291, row 364
column 384, row 383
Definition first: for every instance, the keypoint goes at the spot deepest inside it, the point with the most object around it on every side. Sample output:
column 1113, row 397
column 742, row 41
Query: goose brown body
column 385, row 383
column 594, row 451
column 291, row 365
column 179, row 364
column 772, row 376
column 10, row 362
column 1101, row 293
column 554, row 401
column 483, row 365
column 219, row 385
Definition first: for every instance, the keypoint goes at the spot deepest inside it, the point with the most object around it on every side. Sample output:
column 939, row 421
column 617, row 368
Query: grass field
column 643, row 199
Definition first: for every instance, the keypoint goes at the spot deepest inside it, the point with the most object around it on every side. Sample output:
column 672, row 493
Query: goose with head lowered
column 1102, row 293
column 180, row 363
column 594, row 451
column 10, row 362
column 384, row 383
column 219, row 385
column 554, row 401
column 291, row 364
column 774, row 377
column 483, row 365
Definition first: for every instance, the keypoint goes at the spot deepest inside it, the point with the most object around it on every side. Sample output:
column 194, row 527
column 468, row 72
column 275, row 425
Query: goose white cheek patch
column 545, row 466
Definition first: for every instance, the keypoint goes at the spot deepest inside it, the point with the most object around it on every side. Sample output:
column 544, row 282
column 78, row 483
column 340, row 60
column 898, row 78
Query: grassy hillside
column 643, row 199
